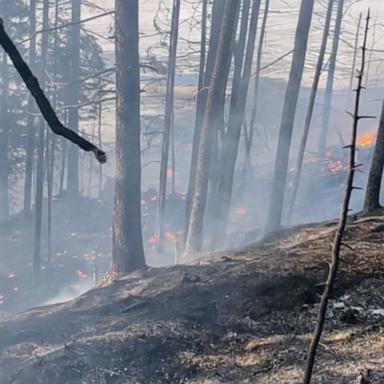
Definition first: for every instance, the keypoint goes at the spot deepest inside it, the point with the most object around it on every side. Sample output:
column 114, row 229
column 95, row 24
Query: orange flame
column 366, row 140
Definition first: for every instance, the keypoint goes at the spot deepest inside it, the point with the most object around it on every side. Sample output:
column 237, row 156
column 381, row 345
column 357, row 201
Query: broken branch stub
column 42, row 101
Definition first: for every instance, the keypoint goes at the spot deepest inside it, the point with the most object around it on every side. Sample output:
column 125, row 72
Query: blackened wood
column 44, row 105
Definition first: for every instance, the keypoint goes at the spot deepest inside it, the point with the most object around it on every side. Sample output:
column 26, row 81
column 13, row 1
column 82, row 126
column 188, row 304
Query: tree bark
column 168, row 124
column 256, row 86
column 204, row 80
column 327, row 107
column 4, row 136
column 372, row 194
column 194, row 238
column 74, row 97
column 31, row 135
column 231, row 139
column 128, row 252
column 310, row 109
column 288, row 117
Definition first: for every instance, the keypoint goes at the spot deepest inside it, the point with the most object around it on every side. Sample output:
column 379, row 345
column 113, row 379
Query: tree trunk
column 4, row 161
column 194, row 238
column 31, row 135
column 327, row 107
column 205, row 76
column 288, row 117
column 353, row 69
column 128, row 252
column 168, row 124
column 231, row 139
column 74, row 98
column 372, row 195
column 310, row 109
column 256, row 86
column 40, row 154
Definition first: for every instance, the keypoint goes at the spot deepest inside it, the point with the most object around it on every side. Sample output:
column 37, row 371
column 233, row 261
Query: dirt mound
column 241, row 317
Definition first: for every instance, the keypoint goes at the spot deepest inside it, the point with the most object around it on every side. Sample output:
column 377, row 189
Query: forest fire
column 367, row 139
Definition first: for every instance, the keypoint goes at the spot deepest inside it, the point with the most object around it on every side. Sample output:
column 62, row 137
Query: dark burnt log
column 42, row 101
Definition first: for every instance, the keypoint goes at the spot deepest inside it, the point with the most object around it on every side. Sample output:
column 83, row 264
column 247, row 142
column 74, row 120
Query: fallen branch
column 44, row 105
column 338, row 240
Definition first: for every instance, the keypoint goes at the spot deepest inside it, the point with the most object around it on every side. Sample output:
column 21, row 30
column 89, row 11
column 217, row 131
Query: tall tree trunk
column 194, row 238
column 310, row 109
column 205, row 76
column 31, row 135
column 168, row 124
column 353, row 69
column 231, row 139
column 327, row 107
column 74, row 98
column 288, row 116
column 40, row 154
column 372, row 195
column 128, row 252
column 256, row 86
column 4, row 161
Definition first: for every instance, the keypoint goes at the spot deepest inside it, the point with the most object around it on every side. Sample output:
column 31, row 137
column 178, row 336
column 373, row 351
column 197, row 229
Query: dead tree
column 327, row 107
column 43, row 103
column 338, row 241
column 168, row 124
column 355, row 51
column 194, row 236
column 31, row 135
column 288, row 117
column 231, row 138
column 4, row 140
column 74, row 97
column 310, row 109
column 372, row 194
column 256, row 86
column 40, row 153
column 206, row 65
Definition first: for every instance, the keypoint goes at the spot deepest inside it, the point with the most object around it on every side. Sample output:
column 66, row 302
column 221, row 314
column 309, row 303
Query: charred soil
column 234, row 317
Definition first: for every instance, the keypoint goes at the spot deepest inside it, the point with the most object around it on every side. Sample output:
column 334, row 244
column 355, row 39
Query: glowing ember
column 336, row 166
column 241, row 212
column 152, row 240
column 81, row 274
column 170, row 236
column 366, row 140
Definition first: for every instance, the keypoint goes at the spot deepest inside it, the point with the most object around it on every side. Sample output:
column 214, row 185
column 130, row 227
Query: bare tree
column 194, row 236
column 231, row 139
column 256, row 87
column 327, row 106
column 168, row 124
column 339, row 236
column 310, row 109
column 288, row 116
column 74, row 96
column 205, row 76
column 128, row 253
column 31, row 135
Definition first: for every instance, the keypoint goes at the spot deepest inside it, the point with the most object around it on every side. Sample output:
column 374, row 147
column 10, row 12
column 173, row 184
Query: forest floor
column 233, row 317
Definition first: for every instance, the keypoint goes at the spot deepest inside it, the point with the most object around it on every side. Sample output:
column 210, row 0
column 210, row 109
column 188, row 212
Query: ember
column 81, row 274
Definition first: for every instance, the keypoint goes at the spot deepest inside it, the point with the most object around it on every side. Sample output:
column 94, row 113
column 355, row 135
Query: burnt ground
column 240, row 317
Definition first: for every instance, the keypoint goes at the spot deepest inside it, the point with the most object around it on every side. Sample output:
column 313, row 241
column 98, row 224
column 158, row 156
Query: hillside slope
column 241, row 317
